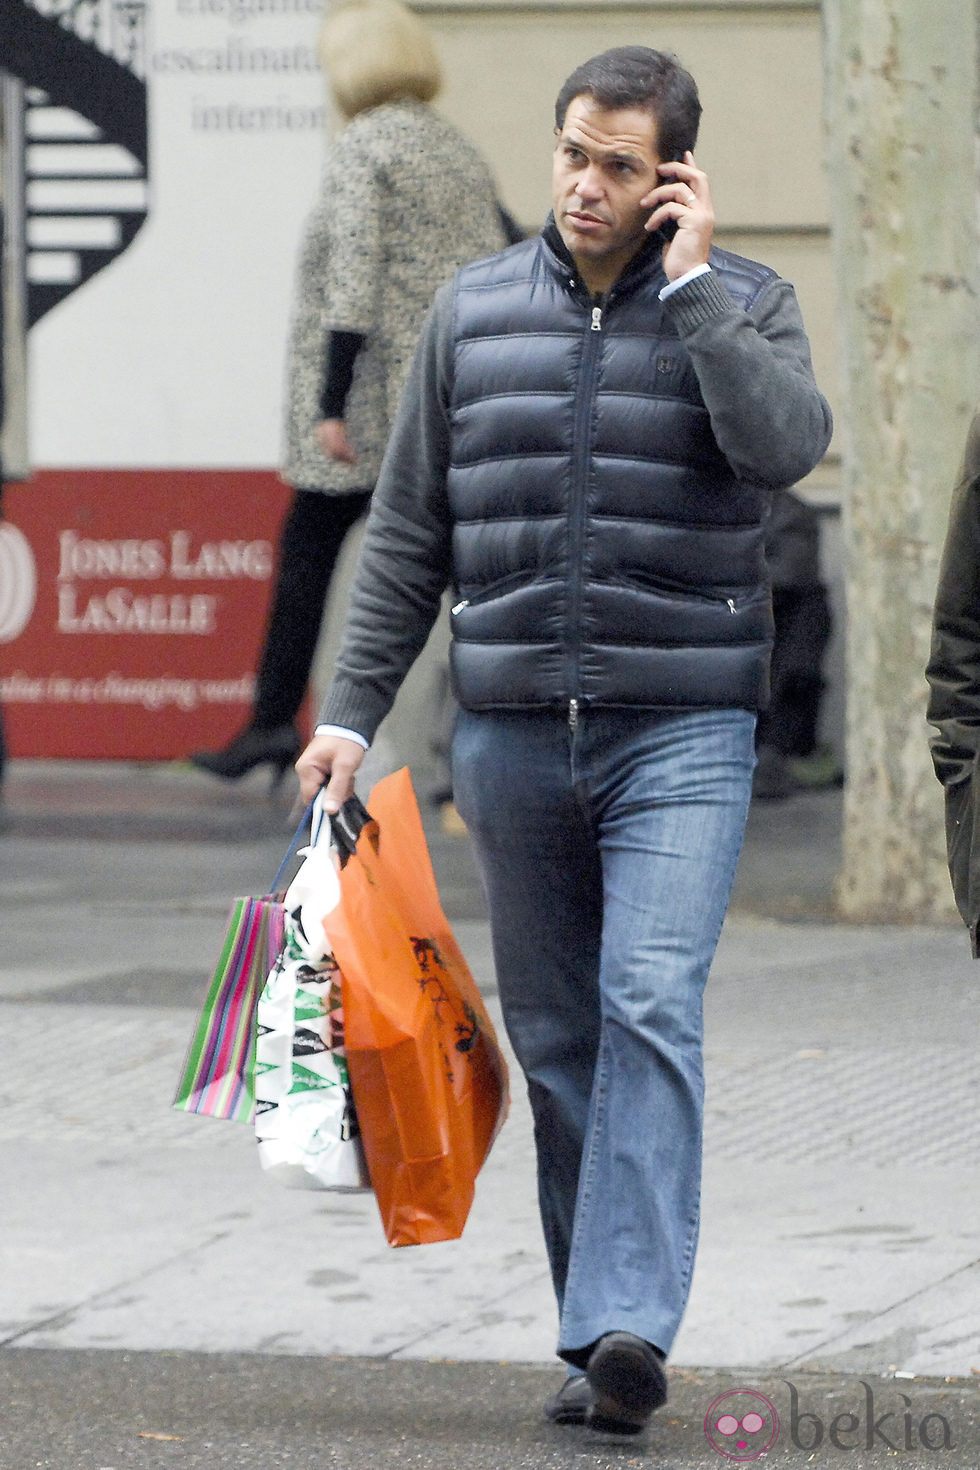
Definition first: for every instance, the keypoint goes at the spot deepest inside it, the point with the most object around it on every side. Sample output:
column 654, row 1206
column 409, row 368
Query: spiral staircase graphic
column 85, row 186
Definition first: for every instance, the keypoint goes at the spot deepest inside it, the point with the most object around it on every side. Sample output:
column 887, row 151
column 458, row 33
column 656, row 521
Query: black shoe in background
column 572, row 1404
column 276, row 747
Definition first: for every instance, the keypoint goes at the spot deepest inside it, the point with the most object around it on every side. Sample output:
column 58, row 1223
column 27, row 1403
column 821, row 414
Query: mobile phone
column 668, row 229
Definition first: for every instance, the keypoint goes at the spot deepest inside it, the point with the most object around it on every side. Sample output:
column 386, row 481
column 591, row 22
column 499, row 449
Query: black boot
column 277, row 747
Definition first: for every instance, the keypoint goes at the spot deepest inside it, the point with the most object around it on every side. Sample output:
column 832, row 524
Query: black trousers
column 803, row 628
column 313, row 532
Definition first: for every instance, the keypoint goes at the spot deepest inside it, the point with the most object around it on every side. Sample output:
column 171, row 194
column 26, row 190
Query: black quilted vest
column 603, row 549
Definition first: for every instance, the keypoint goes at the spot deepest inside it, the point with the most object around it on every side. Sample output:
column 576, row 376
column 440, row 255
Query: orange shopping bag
column 426, row 1071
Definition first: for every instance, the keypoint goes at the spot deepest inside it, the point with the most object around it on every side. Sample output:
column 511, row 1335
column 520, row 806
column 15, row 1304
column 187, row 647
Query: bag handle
column 297, row 838
column 347, row 825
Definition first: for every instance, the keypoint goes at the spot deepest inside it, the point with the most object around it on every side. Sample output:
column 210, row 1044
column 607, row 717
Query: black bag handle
column 347, row 825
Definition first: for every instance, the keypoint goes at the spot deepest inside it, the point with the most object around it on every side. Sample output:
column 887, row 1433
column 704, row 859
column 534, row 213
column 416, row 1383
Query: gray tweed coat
column 405, row 200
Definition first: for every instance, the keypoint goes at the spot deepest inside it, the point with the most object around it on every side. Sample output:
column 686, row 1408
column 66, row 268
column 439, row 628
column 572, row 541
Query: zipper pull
column 731, row 606
column 466, row 602
column 573, row 714
column 597, row 318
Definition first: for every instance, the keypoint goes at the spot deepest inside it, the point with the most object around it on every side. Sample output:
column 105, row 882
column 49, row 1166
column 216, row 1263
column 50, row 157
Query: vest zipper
column 591, row 353
column 573, row 715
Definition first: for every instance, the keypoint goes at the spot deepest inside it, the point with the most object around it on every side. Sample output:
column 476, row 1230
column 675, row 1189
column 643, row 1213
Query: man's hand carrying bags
column 427, row 1073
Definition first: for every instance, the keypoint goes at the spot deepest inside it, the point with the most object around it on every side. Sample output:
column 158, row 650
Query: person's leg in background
column 312, row 535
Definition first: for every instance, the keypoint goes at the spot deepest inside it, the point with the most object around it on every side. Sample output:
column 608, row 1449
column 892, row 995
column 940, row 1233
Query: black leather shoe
column 572, row 1404
column 277, row 748
column 628, row 1382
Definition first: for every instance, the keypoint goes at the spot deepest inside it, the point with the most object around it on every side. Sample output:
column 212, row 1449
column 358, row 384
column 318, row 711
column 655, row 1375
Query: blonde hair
column 376, row 51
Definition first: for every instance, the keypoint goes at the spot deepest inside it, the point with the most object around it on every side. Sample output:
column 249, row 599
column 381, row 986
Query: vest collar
column 646, row 264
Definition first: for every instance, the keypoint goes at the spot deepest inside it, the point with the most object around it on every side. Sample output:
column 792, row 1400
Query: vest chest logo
column 672, row 374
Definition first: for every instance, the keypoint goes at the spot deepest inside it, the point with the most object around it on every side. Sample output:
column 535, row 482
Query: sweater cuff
column 697, row 302
column 350, row 707
column 682, row 281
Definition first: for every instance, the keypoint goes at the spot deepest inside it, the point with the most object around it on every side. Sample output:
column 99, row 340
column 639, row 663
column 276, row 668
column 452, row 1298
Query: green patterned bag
column 305, row 1121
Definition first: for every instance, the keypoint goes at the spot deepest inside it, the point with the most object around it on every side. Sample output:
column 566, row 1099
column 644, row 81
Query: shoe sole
column 627, row 1385
column 576, row 1417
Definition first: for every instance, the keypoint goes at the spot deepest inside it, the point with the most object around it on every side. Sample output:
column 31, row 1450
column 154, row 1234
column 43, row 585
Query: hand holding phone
column 682, row 214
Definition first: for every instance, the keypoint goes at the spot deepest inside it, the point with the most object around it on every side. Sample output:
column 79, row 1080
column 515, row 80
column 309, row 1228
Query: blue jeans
column 608, row 853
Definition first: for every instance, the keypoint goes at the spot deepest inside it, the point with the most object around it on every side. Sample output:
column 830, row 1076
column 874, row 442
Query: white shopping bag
column 305, row 1121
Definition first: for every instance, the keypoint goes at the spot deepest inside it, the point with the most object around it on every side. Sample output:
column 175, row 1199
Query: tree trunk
column 902, row 93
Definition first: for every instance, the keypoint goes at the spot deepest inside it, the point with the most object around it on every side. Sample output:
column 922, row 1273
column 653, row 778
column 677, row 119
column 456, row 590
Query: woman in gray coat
column 405, row 200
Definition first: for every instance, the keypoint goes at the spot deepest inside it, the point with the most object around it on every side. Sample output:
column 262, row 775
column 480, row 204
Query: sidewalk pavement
column 191, row 1312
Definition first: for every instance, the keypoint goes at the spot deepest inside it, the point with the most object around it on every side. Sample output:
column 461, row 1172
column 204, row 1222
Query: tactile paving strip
column 914, row 1105
column 99, row 1072
column 110, row 1072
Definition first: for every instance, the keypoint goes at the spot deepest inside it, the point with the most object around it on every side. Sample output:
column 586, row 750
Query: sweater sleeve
column 769, row 418
column 405, row 560
column 338, row 371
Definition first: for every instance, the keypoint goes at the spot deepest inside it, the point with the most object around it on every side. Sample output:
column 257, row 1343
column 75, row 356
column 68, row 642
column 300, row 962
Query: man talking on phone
column 585, row 453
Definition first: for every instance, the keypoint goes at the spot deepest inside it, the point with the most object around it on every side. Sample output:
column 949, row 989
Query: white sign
column 173, row 355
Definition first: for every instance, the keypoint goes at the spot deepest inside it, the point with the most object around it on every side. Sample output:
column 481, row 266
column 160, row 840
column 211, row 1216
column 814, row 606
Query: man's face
column 605, row 163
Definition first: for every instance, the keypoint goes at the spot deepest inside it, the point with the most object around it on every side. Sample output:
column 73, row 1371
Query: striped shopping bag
column 218, row 1075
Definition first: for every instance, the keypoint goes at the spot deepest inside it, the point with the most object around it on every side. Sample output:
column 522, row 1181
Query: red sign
column 132, row 608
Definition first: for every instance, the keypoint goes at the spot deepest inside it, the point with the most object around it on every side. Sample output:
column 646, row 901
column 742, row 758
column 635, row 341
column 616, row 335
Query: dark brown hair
column 636, row 76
